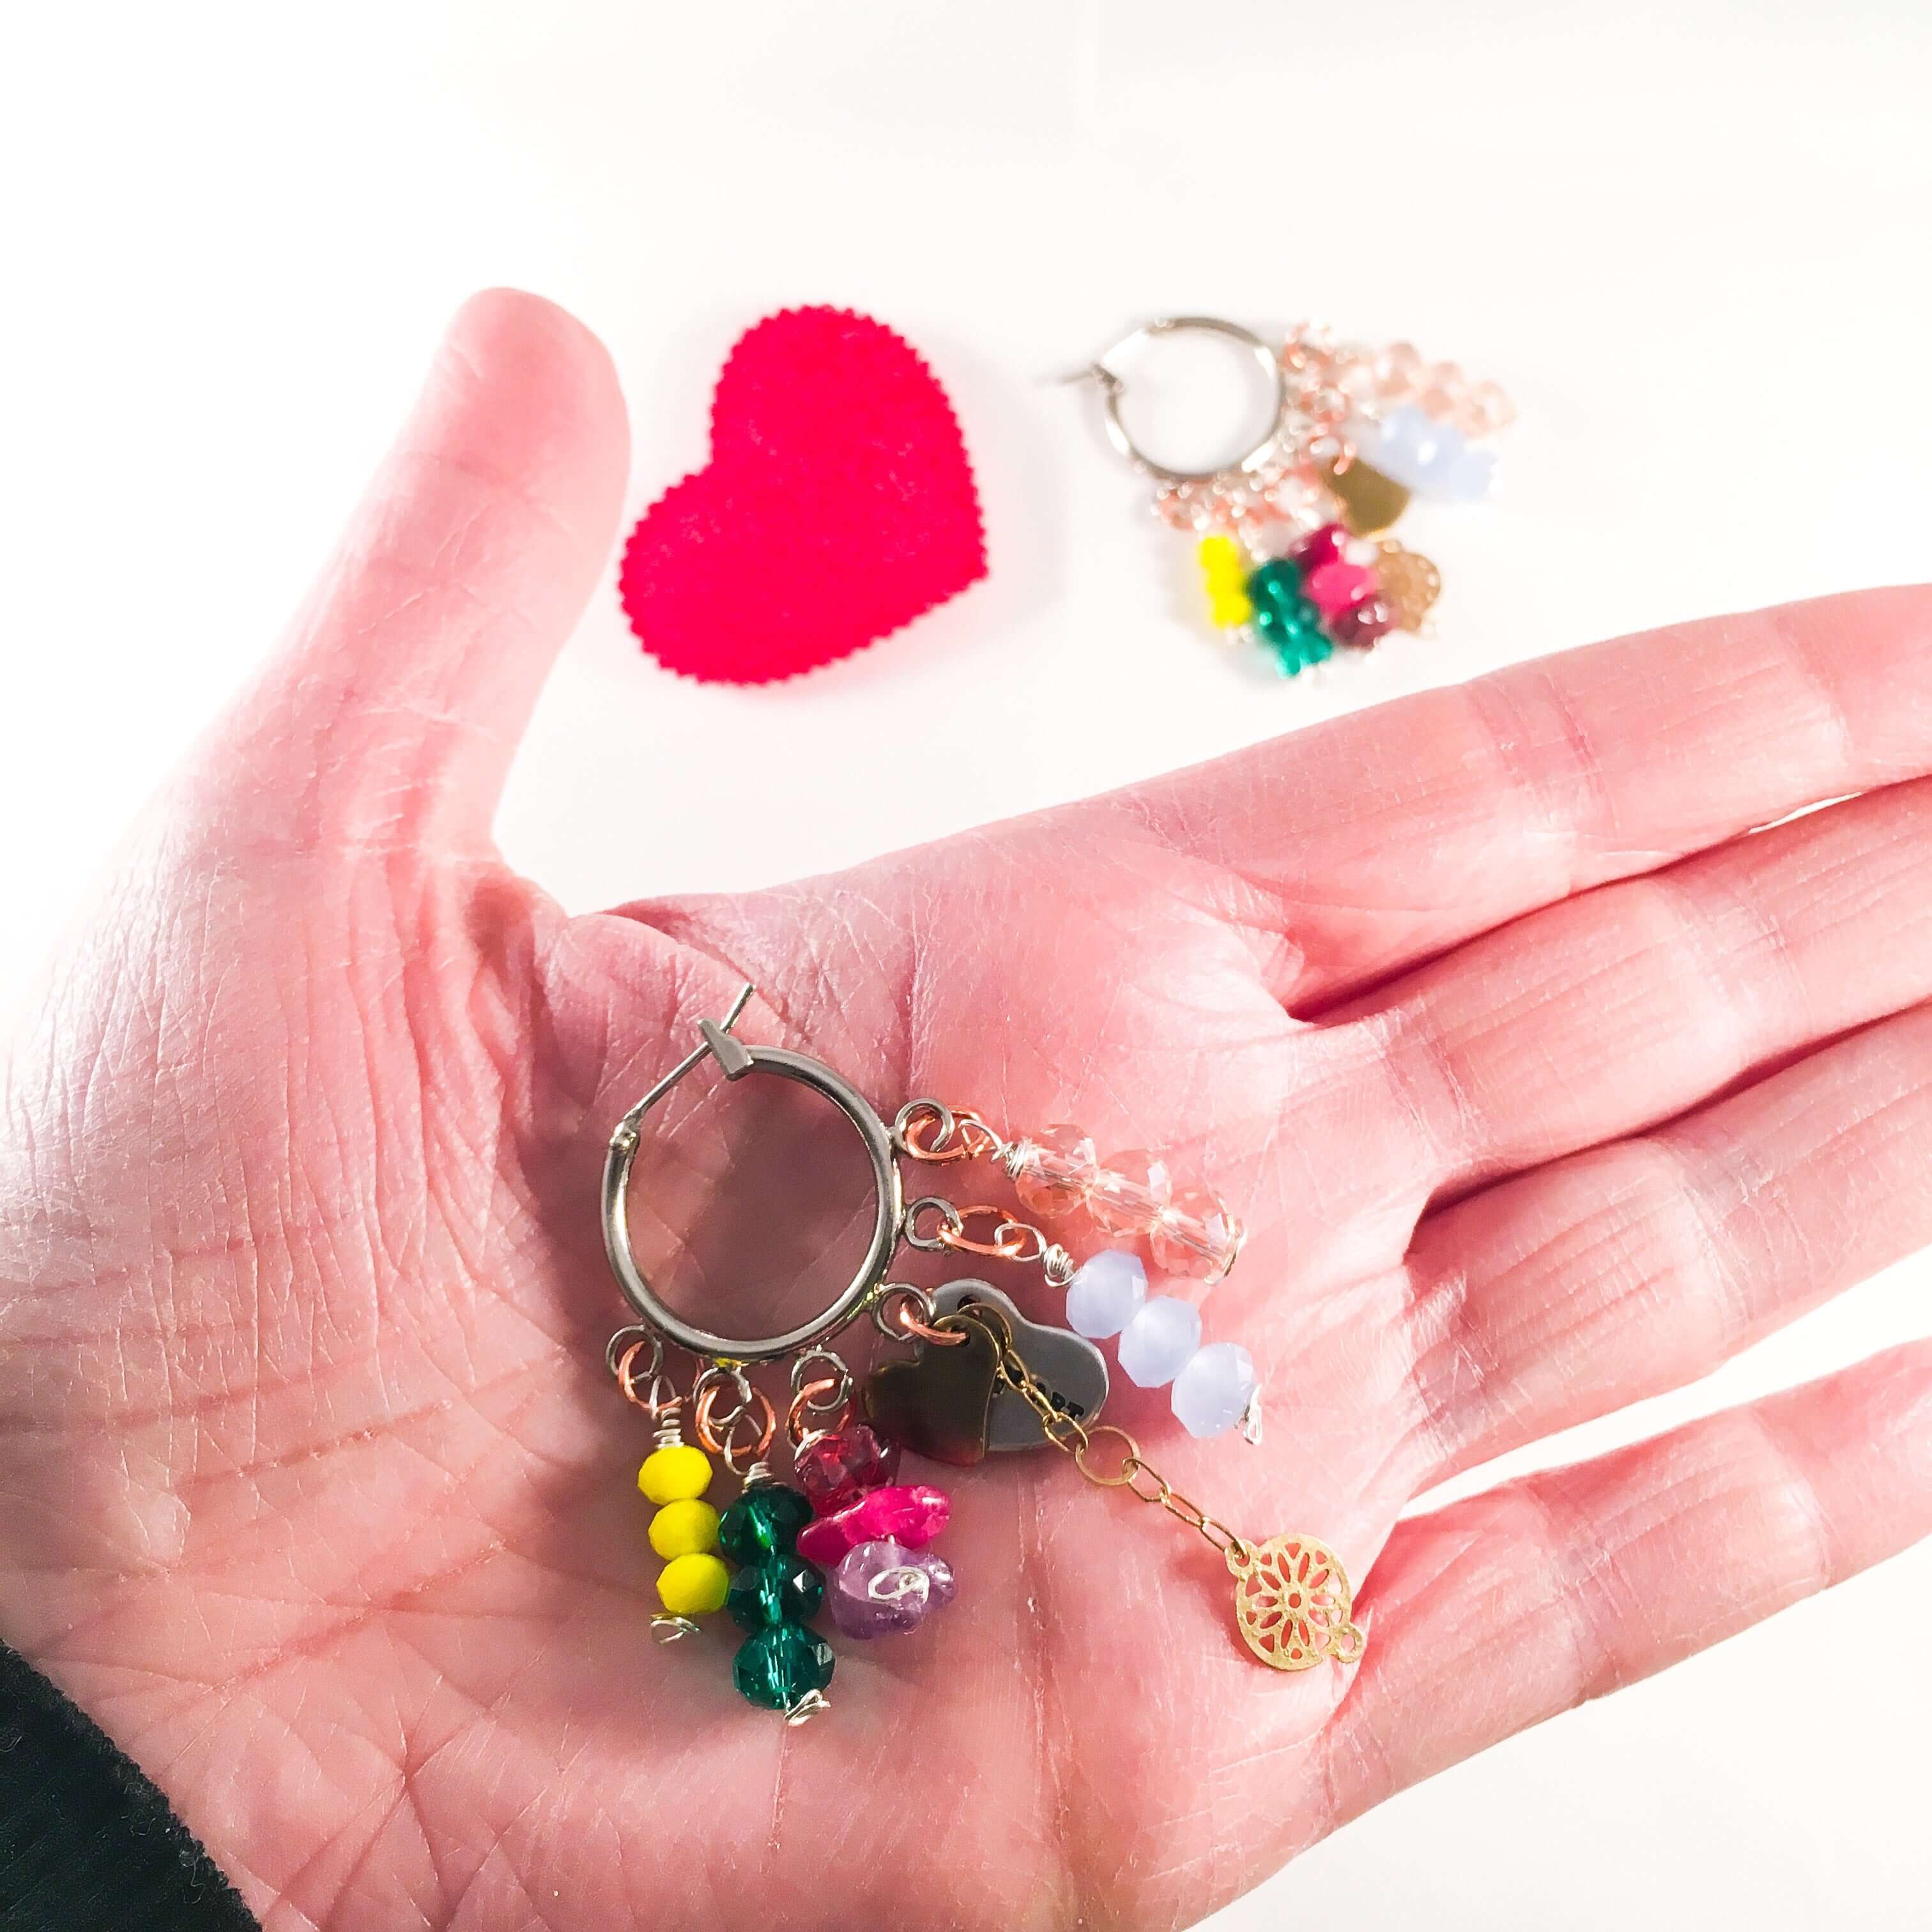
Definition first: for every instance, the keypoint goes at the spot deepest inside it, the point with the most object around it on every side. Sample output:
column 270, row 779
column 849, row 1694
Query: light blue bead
column 1212, row 1392
column 1106, row 1293
column 1158, row 1343
column 1469, row 481
column 1406, row 434
column 1417, row 450
column 1436, row 455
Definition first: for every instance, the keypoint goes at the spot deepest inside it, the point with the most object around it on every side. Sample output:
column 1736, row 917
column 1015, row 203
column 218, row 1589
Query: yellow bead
column 683, row 1529
column 1231, row 608
column 1220, row 558
column 693, row 1585
column 675, row 1474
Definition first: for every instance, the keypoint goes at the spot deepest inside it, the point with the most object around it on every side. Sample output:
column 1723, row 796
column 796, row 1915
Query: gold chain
column 1068, row 1434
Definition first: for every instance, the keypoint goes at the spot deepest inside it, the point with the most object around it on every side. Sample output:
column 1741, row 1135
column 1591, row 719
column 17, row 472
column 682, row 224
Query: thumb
column 391, row 712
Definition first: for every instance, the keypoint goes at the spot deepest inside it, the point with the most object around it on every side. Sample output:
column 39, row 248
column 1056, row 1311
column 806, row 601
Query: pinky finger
column 1498, row 1612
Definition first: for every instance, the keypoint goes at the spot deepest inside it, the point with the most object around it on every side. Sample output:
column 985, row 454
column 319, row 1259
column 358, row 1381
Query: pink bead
column 1398, row 370
column 1127, row 1194
column 912, row 1513
column 836, row 1470
column 1333, row 588
column 1443, row 386
column 1355, row 377
column 1321, row 547
column 1197, row 1236
column 1494, row 409
column 1055, row 1169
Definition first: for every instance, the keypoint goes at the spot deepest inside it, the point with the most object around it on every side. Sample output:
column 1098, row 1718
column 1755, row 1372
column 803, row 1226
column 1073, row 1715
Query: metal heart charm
column 937, row 1403
column 1069, row 1365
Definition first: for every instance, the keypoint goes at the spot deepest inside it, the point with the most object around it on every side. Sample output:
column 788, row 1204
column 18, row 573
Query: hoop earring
column 1292, row 534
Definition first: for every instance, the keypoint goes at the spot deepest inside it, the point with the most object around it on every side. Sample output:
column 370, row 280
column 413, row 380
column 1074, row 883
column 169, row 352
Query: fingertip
column 520, row 387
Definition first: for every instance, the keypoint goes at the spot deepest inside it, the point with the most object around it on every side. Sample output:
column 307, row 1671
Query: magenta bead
column 1335, row 587
column 1363, row 623
column 912, row 1513
column 883, row 1587
column 837, row 1470
column 1321, row 547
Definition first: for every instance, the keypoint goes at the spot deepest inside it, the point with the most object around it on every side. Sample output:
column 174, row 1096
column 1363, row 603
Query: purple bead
column 945, row 1585
column 882, row 1589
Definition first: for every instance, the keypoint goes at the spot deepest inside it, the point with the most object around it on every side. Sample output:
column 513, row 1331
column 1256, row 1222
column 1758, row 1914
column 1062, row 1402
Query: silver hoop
column 735, row 1059
column 1112, row 387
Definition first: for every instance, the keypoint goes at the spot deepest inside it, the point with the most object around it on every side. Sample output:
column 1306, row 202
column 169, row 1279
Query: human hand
column 1541, row 1091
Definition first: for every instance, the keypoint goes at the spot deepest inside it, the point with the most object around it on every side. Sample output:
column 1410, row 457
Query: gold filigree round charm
column 1292, row 1603
column 1409, row 582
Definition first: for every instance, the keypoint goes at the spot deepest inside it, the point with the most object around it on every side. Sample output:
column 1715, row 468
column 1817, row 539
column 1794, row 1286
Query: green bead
column 1284, row 618
column 765, row 1521
column 1277, row 581
column 1295, row 653
column 778, row 1590
column 781, row 1665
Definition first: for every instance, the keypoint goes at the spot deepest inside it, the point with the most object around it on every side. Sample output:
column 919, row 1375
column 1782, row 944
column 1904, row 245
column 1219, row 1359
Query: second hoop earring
column 1292, row 534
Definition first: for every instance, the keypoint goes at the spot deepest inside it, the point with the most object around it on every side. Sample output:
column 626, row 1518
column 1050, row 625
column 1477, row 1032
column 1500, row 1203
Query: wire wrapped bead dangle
column 1292, row 536
column 1189, row 1231
column 674, row 1477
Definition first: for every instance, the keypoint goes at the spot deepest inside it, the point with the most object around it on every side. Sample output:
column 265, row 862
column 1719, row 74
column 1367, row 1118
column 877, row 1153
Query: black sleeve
column 87, row 1843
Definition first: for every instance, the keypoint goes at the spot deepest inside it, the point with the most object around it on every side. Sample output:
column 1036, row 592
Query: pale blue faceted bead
column 1156, row 1346
column 1435, row 455
column 1106, row 1293
column 1212, row 1392
column 1468, row 482
column 1406, row 445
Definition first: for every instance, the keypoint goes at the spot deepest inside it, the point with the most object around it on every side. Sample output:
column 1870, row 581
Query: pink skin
column 1540, row 1092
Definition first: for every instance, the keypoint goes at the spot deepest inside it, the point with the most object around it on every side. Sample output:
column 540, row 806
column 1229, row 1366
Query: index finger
column 1388, row 836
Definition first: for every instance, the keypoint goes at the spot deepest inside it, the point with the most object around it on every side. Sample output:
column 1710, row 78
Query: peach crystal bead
column 1054, row 1169
column 1126, row 1196
column 1491, row 407
column 1196, row 1236
column 1399, row 371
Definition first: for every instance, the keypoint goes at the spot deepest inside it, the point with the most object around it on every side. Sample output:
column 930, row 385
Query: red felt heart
column 838, row 504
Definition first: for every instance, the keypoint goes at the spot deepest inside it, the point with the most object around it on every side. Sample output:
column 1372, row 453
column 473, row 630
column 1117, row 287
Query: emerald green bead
column 1296, row 651
column 765, row 1521
column 779, row 1590
column 1285, row 618
column 781, row 1665
column 1278, row 580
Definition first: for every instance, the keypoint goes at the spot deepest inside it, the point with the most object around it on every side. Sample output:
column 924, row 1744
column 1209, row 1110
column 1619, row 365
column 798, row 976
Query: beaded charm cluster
column 847, row 1514
column 1292, row 539
column 848, row 1534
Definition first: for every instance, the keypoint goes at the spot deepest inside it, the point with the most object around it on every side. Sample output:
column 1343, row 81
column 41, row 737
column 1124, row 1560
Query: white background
column 1691, row 238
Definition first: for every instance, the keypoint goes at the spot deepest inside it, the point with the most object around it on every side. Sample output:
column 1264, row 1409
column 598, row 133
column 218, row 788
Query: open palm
column 1541, row 1088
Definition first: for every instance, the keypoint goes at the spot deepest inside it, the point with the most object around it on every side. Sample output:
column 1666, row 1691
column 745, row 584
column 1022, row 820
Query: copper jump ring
column 898, row 1315
column 799, row 1421
column 1008, row 1241
column 627, row 1385
column 707, row 1418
